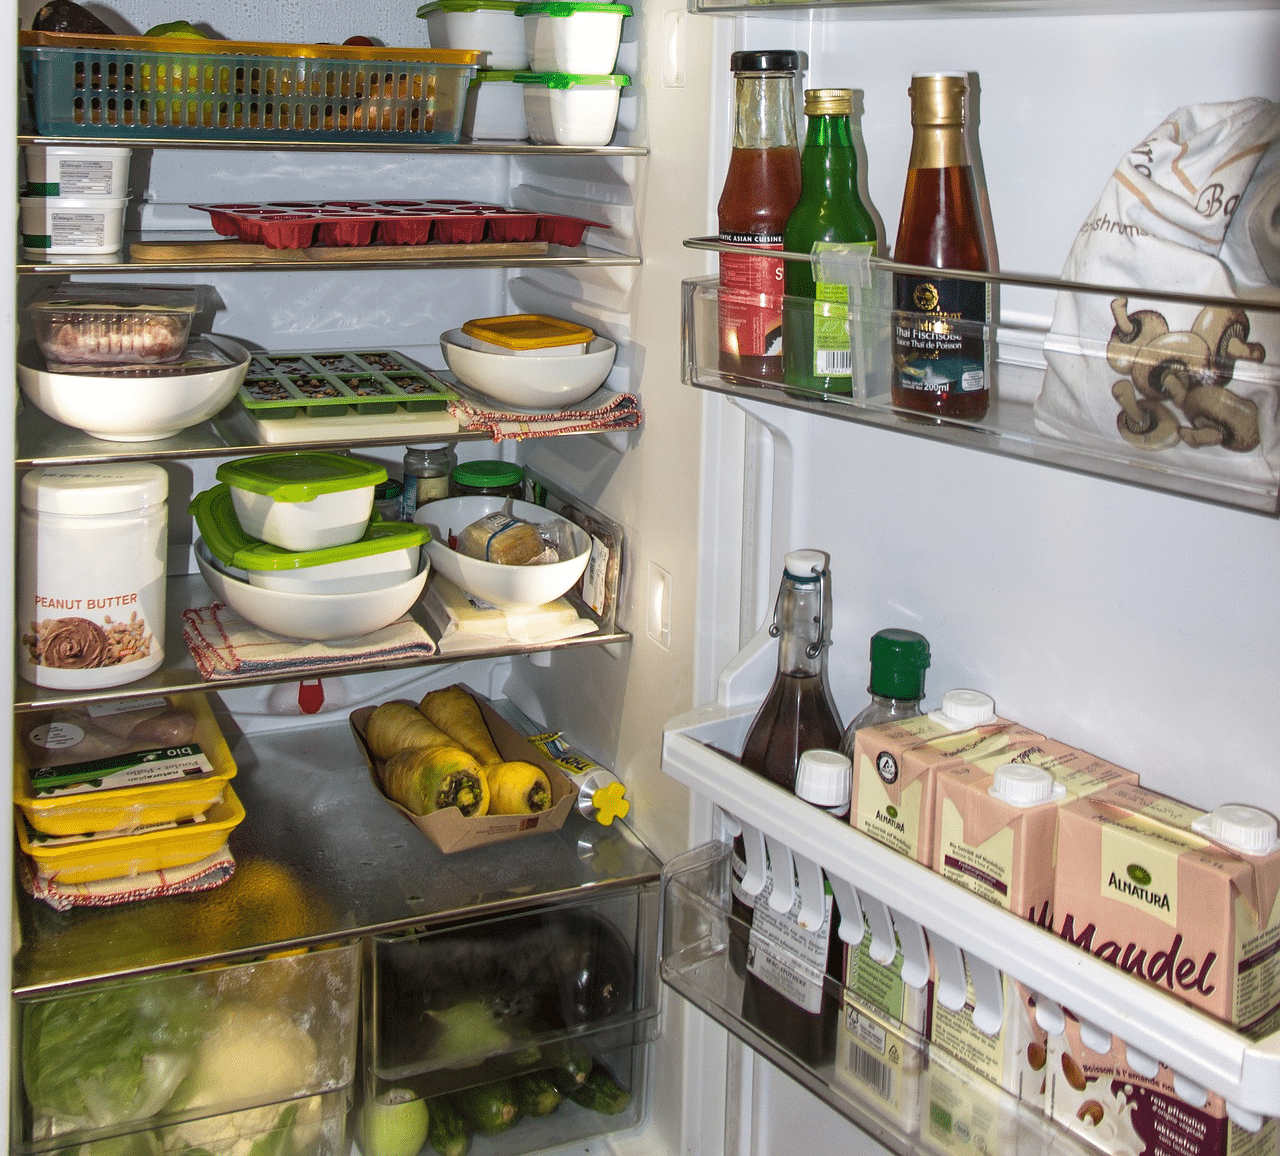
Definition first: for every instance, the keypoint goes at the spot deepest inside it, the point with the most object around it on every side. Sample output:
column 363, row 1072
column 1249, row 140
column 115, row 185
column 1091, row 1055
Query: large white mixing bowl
column 527, row 381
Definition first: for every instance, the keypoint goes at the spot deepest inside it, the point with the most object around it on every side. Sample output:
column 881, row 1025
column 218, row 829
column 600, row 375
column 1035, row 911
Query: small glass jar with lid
column 426, row 476
column 488, row 478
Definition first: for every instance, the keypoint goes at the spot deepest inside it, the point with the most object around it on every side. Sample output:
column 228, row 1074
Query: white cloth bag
column 1195, row 209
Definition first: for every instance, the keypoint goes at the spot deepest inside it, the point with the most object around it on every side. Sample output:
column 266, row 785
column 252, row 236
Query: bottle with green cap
column 899, row 659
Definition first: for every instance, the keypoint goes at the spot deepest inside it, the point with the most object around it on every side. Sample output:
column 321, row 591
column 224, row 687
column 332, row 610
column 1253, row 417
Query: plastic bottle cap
column 1025, row 785
column 804, row 565
column 962, row 709
column 824, row 778
column 487, row 473
column 899, row 659
column 1244, row 829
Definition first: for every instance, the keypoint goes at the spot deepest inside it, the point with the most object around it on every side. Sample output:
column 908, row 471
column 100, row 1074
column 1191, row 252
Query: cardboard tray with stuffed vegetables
column 459, row 771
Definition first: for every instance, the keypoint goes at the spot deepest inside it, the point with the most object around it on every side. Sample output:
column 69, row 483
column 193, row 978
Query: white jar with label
column 92, row 546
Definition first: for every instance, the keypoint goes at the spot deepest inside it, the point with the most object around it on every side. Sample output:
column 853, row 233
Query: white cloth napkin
column 211, row 871
column 224, row 645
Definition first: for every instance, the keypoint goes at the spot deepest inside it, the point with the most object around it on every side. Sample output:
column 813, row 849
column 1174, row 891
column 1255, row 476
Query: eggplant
column 593, row 968
column 68, row 16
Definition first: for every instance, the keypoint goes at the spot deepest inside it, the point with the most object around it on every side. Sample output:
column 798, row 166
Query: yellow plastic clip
column 610, row 804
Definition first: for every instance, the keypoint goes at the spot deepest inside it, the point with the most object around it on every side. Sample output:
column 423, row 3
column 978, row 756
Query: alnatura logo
column 892, row 812
column 1139, row 874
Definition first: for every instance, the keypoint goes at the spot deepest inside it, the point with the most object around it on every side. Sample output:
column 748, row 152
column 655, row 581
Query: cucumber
column 538, row 1096
column 489, row 1108
column 446, row 1129
column 572, row 1073
column 602, row 1093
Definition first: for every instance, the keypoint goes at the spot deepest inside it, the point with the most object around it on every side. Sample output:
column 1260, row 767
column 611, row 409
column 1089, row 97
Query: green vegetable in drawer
column 489, row 1108
column 602, row 1093
column 446, row 1129
column 572, row 1073
column 538, row 1096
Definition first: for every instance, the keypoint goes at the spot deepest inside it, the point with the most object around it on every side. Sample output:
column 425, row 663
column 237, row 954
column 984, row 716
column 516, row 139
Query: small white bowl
column 76, row 171
column 350, row 576
column 313, row 617
column 572, row 110
column 527, row 382
column 508, row 587
column 132, row 409
column 71, row 224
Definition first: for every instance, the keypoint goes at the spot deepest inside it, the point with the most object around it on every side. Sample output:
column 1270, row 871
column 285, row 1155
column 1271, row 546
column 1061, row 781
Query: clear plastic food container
column 489, row 25
column 386, row 555
column 528, row 333
column 302, row 501
column 567, row 108
column 84, row 324
column 572, row 35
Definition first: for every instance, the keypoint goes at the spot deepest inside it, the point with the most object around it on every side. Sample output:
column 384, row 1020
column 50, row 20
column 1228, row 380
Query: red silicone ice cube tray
column 302, row 224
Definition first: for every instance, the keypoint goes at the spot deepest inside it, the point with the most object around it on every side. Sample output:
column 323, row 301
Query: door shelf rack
column 1019, row 368
column 932, row 918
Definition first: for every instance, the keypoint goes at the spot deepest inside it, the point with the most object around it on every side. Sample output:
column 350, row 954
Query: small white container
column 72, row 224
column 495, row 107
column 571, row 109
column 350, row 576
column 76, row 171
column 302, row 501
column 490, row 25
column 92, row 548
column 573, row 35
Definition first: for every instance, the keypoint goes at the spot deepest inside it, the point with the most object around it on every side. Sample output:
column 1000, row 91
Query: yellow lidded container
column 527, row 333
column 93, row 857
column 70, row 778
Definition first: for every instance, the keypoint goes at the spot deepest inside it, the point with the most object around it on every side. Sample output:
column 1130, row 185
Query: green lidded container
column 489, row 478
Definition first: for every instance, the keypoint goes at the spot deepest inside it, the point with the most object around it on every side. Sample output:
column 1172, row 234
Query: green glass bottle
column 816, row 353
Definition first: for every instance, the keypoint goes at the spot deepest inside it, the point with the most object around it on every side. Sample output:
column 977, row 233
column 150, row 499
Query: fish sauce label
column 938, row 335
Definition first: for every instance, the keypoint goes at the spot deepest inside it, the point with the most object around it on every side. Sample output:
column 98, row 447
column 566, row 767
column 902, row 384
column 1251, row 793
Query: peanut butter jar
column 92, row 544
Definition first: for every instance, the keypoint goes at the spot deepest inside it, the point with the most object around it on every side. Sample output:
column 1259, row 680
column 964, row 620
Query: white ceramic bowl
column 131, row 409
column 509, row 587
column 350, row 576
column 527, row 382
column 314, row 617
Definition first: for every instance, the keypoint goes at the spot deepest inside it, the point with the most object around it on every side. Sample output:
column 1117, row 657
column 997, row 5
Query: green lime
column 181, row 28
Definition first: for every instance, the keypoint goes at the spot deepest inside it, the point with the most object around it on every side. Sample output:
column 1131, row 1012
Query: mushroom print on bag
column 1188, row 371
column 1174, row 382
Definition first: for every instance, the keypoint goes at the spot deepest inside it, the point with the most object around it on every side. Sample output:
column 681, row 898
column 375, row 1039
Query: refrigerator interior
column 1135, row 624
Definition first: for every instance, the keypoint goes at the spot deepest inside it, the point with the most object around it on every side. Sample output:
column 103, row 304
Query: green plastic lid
column 899, row 659
column 468, row 6
column 569, row 7
column 569, row 79
column 487, row 474
column 492, row 75
column 300, row 477
column 216, row 520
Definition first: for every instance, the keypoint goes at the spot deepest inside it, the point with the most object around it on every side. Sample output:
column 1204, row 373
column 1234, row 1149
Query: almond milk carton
column 1182, row 898
column 997, row 815
column 895, row 766
column 1120, row 1110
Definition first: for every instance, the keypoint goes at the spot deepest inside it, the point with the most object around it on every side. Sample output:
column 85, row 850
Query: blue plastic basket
column 86, row 92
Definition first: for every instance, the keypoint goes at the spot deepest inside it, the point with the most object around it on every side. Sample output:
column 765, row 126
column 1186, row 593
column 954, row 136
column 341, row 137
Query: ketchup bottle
column 761, row 188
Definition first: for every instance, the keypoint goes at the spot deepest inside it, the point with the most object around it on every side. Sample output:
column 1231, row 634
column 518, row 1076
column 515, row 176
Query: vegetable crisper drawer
column 209, row 1059
column 466, row 1003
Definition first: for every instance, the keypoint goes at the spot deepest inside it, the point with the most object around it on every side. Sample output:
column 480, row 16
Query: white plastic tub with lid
column 72, row 224
column 489, row 25
column 303, row 501
column 571, row 109
column 495, row 107
column 76, row 171
column 573, row 35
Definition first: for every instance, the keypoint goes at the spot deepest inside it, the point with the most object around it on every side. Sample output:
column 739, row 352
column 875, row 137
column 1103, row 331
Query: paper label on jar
column 595, row 577
column 78, row 177
column 78, row 230
column 791, row 959
column 751, row 298
column 938, row 337
column 86, row 635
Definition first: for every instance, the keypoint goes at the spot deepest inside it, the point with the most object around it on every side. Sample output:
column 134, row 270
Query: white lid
column 1245, row 829
column 87, row 490
column 962, row 709
column 824, row 778
column 1025, row 785
column 804, row 563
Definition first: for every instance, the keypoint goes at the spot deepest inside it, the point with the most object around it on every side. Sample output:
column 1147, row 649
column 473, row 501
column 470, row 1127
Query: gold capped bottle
column 817, row 354
column 939, row 330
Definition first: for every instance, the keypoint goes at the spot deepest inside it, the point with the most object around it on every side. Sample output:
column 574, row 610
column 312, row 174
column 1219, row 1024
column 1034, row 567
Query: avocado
column 68, row 16
column 181, row 28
